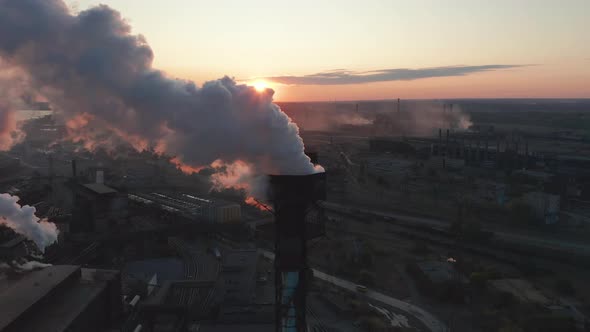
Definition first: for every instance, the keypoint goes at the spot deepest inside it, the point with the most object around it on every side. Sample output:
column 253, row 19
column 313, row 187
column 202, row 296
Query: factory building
column 191, row 206
column 97, row 207
column 61, row 298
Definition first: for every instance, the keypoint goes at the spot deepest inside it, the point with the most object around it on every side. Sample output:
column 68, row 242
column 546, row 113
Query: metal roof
column 20, row 296
column 99, row 188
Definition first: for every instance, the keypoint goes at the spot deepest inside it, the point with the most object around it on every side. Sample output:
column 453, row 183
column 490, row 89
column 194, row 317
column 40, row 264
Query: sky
column 310, row 50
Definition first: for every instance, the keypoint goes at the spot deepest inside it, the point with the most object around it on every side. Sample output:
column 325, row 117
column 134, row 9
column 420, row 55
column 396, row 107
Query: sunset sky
column 372, row 49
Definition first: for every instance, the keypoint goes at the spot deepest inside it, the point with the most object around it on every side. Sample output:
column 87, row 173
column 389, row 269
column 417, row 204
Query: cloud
column 342, row 76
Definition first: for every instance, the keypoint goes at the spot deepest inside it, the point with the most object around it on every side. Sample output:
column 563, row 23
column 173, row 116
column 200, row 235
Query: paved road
column 511, row 237
column 422, row 315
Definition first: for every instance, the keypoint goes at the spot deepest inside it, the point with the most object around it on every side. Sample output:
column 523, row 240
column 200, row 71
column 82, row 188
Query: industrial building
column 191, row 206
column 61, row 298
column 97, row 207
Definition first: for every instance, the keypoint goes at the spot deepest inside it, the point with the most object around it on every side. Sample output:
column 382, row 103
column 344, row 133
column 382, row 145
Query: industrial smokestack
column 293, row 197
column 398, row 106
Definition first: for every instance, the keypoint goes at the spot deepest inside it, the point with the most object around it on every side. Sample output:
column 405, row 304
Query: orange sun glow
column 260, row 86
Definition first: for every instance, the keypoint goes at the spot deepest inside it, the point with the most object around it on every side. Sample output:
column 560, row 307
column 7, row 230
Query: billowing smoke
column 424, row 118
column 31, row 265
column 22, row 220
column 414, row 117
column 11, row 84
column 325, row 116
column 99, row 78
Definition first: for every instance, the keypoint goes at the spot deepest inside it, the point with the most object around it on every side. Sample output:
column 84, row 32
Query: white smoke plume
column 22, row 220
column 31, row 265
column 415, row 117
column 100, row 78
column 424, row 118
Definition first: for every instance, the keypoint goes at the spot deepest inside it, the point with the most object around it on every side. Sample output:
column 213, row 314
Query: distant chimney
column 398, row 106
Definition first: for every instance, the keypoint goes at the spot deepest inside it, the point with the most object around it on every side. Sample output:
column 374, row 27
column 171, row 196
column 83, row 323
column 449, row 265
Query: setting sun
column 260, row 86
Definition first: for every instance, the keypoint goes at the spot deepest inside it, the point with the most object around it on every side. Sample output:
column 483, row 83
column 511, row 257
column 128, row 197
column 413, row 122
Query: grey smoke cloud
column 341, row 76
column 12, row 83
column 22, row 220
column 100, row 78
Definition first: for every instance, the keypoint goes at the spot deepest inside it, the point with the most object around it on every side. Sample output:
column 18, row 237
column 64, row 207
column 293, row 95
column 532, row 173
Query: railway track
column 501, row 252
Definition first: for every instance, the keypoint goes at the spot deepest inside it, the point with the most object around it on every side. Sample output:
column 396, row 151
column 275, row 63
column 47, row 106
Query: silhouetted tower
column 297, row 219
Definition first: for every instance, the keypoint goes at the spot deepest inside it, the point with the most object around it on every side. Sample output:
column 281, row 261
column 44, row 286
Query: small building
column 14, row 248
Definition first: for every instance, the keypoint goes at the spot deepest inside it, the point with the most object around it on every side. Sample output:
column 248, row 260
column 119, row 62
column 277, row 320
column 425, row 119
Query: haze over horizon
column 375, row 50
